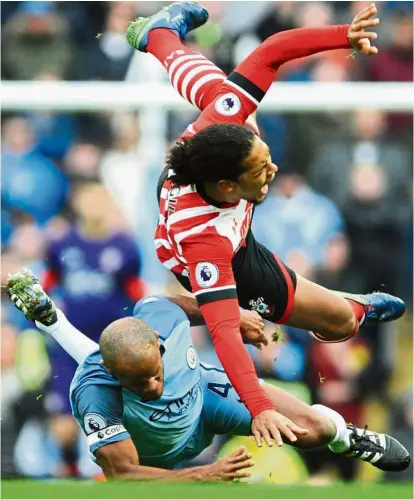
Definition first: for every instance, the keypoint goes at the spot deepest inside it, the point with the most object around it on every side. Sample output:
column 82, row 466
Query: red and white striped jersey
column 197, row 240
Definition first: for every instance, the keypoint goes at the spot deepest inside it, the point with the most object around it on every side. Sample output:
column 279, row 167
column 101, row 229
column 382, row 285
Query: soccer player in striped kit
column 215, row 175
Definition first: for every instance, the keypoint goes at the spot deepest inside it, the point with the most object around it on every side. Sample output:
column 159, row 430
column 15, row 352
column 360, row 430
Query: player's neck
column 217, row 196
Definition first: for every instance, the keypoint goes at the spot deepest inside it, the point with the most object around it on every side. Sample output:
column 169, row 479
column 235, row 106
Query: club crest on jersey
column 191, row 358
column 228, row 104
column 94, row 422
column 261, row 307
column 207, row 274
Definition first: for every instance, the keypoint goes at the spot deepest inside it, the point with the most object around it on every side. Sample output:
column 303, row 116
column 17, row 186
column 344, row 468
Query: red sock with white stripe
column 191, row 74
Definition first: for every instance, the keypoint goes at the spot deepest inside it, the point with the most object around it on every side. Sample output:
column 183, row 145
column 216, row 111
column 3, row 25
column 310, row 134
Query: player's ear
column 109, row 369
column 158, row 339
column 227, row 185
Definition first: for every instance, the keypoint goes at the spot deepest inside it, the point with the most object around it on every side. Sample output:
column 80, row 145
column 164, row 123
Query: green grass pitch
column 20, row 489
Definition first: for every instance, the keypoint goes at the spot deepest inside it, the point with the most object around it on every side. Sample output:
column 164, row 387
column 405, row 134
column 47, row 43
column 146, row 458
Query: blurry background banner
column 302, row 97
column 86, row 122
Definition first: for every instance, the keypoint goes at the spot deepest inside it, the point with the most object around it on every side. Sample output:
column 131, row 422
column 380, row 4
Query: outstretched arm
column 252, row 78
column 120, row 461
column 212, row 282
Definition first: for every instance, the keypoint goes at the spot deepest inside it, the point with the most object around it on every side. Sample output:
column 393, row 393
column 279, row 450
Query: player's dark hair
column 216, row 153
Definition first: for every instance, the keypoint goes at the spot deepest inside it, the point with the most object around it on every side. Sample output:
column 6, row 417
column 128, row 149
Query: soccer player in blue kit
column 146, row 402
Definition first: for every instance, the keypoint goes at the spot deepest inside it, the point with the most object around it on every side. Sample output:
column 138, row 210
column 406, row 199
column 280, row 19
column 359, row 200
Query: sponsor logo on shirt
column 176, row 407
column 105, row 433
column 207, row 274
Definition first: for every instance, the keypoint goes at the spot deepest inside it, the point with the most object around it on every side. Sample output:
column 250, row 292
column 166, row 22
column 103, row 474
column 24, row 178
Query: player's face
column 260, row 171
column 148, row 381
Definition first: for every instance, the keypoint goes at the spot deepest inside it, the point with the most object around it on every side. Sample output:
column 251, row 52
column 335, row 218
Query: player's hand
column 271, row 424
column 252, row 329
column 229, row 468
column 360, row 39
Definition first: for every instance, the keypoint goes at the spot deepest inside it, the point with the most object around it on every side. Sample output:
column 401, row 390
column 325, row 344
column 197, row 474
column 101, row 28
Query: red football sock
column 358, row 309
column 162, row 42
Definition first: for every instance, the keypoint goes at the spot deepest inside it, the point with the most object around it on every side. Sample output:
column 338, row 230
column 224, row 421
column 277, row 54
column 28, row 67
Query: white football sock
column 341, row 441
column 75, row 343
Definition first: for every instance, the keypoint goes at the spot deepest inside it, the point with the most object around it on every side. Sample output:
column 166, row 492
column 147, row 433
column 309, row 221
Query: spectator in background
column 368, row 175
column 11, row 391
column 279, row 18
column 24, row 369
column 122, row 169
column 305, row 223
column 368, row 143
column 7, row 226
column 395, row 60
column 94, row 266
column 10, row 263
column 36, row 40
column 25, row 248
column 307, row 131
column 336, row 377
column 54, row 132
column 376, row 225
column 82, row 161
column 28, row 244
column 85, row 20
column 108, row 57
column 30, row 181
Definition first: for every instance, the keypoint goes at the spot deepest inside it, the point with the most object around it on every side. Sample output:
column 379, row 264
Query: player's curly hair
column 216, row 153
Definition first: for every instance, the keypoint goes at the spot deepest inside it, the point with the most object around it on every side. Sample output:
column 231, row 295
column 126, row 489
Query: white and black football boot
column 379, row 449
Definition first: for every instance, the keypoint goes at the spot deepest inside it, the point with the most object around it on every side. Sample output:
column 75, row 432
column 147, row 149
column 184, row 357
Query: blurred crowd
column 79, row 209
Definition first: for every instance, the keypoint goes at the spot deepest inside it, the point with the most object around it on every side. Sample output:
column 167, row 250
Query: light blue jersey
column 197, row 402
